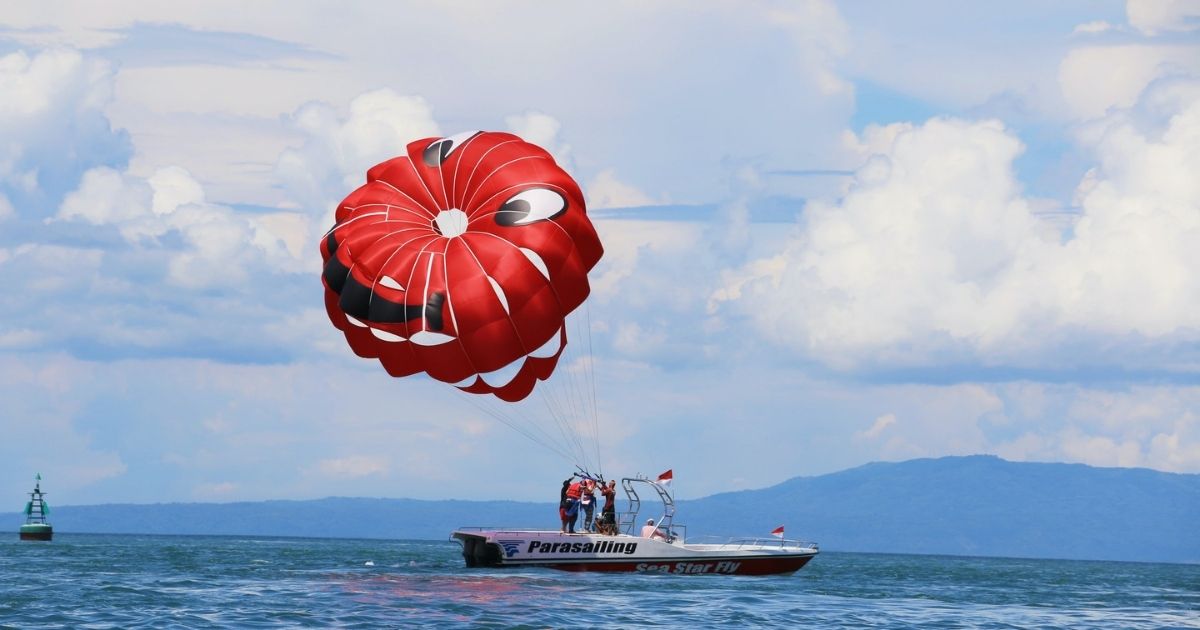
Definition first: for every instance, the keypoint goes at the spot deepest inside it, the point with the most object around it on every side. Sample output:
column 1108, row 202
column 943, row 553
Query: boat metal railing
column 756, row 542
column 488, row 528
column 485, row 528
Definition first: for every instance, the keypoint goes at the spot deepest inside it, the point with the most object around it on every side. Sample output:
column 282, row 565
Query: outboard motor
column 469, row 544
column 487, row 554
column 478, row 552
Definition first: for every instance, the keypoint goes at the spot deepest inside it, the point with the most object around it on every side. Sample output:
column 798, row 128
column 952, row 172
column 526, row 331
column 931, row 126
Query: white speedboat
column 666, row 551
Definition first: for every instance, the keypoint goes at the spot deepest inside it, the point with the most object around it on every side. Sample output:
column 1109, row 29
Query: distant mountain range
column 977, row 505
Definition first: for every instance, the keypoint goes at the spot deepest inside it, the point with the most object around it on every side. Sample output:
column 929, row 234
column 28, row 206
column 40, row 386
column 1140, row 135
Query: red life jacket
column 574, row 491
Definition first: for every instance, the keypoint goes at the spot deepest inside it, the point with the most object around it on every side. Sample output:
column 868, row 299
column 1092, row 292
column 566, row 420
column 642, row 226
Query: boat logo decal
column 511, row 547
column 688, row 567
column 601, row 547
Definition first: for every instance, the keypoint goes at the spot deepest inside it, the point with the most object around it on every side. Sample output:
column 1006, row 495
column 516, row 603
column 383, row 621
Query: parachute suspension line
column 575, row 393
column 544, row 441
column 582, row 403
column 554, row 408
column 547, row 393
column 562, row 435
column 545, row 438
column 567, row 417
column 592, row 379
column 559, row 409
column 577, row 373
column 507, row 421
column 566, row 402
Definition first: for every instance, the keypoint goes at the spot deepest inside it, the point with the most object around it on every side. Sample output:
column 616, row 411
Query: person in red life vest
column 573, row 492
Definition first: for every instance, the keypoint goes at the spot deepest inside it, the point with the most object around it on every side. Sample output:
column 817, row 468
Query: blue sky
column 834, row 233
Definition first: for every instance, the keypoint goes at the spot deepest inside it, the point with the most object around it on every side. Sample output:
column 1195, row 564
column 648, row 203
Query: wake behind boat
column 667, row 551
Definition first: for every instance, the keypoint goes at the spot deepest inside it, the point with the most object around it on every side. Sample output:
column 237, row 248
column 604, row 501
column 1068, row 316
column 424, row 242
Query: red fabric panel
column 399, row 262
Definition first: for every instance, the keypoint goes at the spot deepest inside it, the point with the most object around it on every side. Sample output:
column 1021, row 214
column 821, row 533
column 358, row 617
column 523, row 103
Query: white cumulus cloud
column 605, row 190
column 881, row 423
column 1097, row 26
column 52, row 126
column 353, row 466
column 541, row 129
column 339, row 147
column 1145, row 426
column 106, row 196
column 935, row 256
column 821, row 35
column 1097, row 79
column 53, row 81
column 1155, row 16
column 221, row 245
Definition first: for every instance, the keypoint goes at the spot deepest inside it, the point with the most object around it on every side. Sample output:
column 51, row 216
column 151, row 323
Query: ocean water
column 108, row 581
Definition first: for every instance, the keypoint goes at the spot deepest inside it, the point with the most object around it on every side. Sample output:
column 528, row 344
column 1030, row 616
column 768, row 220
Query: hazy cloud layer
column 856, row 267
column 178, row 429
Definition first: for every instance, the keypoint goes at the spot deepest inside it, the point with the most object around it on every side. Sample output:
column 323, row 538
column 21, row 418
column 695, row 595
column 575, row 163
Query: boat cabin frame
column 627, row 521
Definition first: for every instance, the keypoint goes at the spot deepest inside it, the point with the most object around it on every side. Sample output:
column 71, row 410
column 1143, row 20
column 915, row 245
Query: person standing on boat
column 587, row 500
column 608, row 514
column 572, row 510
column 563, row 504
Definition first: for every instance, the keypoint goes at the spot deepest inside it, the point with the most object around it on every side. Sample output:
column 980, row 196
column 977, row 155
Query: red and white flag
column 778, row 531
column 665, row 478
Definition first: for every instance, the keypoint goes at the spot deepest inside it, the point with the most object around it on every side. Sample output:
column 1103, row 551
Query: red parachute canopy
column 462, row 260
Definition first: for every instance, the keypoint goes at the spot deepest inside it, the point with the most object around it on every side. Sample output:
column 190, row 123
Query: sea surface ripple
column 111, row 581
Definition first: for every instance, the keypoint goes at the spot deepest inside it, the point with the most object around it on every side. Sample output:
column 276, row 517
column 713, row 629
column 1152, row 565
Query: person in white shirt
column 650, row 531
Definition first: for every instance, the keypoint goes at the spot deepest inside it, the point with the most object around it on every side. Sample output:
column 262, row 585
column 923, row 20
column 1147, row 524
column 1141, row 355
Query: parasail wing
column 462, row 260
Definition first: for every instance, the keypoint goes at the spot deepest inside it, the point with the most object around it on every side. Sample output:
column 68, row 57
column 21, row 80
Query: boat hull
column 698, row 566
column 36, row 532
column 629, row 554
